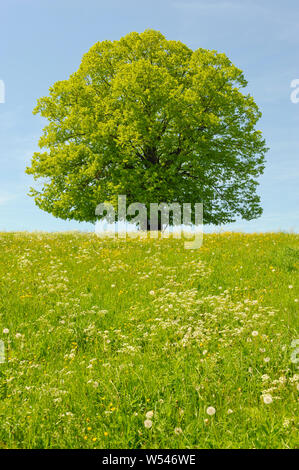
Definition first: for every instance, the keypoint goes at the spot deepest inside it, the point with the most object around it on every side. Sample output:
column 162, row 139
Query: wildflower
column 105, row 434
column 229, row 411
column 152, row 292
column 290, row 287
column 266, row 359
column 149, row 414
column 265, row 377
column 211, row 411
column 267, row 399
column 5, row 331
column 255, row 333
column 148, row 423
column 18, row 335
column 178, row 431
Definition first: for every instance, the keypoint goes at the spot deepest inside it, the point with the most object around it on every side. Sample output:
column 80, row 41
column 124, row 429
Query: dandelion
column 178, row 431
column 5, row 331
column 267, row 399
column 148, row 423
column 18, row 335
column 211, row 410
column 265, row 377
column 152, row 292
column 149, row 414
column 266, row 359
column 290, row 286
column 255, row 333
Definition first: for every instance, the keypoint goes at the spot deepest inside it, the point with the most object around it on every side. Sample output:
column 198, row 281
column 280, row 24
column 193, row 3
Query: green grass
column 103, row 331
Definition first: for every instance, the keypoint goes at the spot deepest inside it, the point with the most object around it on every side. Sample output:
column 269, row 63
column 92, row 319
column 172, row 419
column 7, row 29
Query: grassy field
column 144, row 344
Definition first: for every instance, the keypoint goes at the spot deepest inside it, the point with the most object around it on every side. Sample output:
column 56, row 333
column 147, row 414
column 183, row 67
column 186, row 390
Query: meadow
column 144, row 344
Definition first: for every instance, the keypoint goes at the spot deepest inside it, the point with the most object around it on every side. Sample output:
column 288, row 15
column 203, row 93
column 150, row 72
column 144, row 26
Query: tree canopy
column 150, row 118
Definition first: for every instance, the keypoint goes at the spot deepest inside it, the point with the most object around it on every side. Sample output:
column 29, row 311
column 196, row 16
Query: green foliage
column 152, row 119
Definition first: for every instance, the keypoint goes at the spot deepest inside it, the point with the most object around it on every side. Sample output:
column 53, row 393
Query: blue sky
column 43, row 41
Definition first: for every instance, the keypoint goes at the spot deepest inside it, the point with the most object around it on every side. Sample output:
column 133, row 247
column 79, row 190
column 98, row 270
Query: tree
column 156, row 121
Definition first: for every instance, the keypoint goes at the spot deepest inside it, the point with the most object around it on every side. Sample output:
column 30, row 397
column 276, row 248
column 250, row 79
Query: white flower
column 5, row 331
column 267, row 399
column 152, row 292
column 211, row 411
column 229, row 411
column 290, row 287
column 255, row 333
column 178, row 430
column 148, row 423
column 149, row 414
column 266, row 359
column 18, row 335
column 265, row 377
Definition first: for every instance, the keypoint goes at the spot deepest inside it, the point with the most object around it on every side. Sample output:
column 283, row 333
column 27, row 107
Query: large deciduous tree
column 150, row 118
